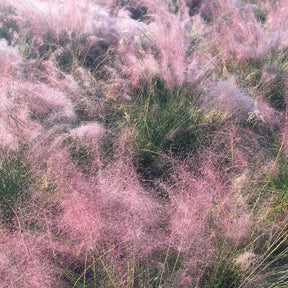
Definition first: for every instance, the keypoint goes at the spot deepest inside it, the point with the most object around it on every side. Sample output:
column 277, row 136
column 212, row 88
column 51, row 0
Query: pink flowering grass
column 143, row 144
column 92, row 211
column 205, row 211
column 24, row 263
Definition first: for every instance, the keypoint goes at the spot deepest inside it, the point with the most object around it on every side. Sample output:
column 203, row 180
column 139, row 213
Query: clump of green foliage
column 65, row 61
column 14, row 179
column 7, row 24
column 165, row 121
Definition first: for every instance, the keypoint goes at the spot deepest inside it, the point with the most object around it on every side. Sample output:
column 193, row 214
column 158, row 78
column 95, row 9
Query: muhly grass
column 143, row 143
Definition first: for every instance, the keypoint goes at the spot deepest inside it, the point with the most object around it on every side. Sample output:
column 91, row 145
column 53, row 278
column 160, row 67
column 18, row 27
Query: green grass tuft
column 14, row 179
column 165, row 122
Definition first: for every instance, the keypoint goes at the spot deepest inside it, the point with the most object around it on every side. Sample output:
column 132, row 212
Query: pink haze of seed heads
column 68, row 218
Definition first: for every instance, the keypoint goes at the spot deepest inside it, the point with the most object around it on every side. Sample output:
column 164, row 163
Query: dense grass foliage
column 143, row 143
column 164, row 122
column 14, row 179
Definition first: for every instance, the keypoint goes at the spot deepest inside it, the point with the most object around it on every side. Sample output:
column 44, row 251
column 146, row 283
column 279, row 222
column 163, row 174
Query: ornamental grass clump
column 143, row 144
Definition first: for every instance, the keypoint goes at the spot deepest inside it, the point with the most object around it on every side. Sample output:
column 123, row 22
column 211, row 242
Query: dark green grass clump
column 165, row 121
column 8, row 26
column 14, row 179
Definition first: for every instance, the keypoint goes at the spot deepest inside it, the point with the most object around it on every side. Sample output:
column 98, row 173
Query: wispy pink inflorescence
column 139, row 67
column 241, row 35
column 238, row 225
column 8, row 141
column 103, row 208
column 225, row 98
column 170, row 33
column 10, row 61
column 204, row 209
column 276, row 25
column 112, row 210
column 89, row 134
column 45, row 101
column 264, row 112
column 24, row 263
column 193, row 198
column 26, row 106
column 86, row 206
